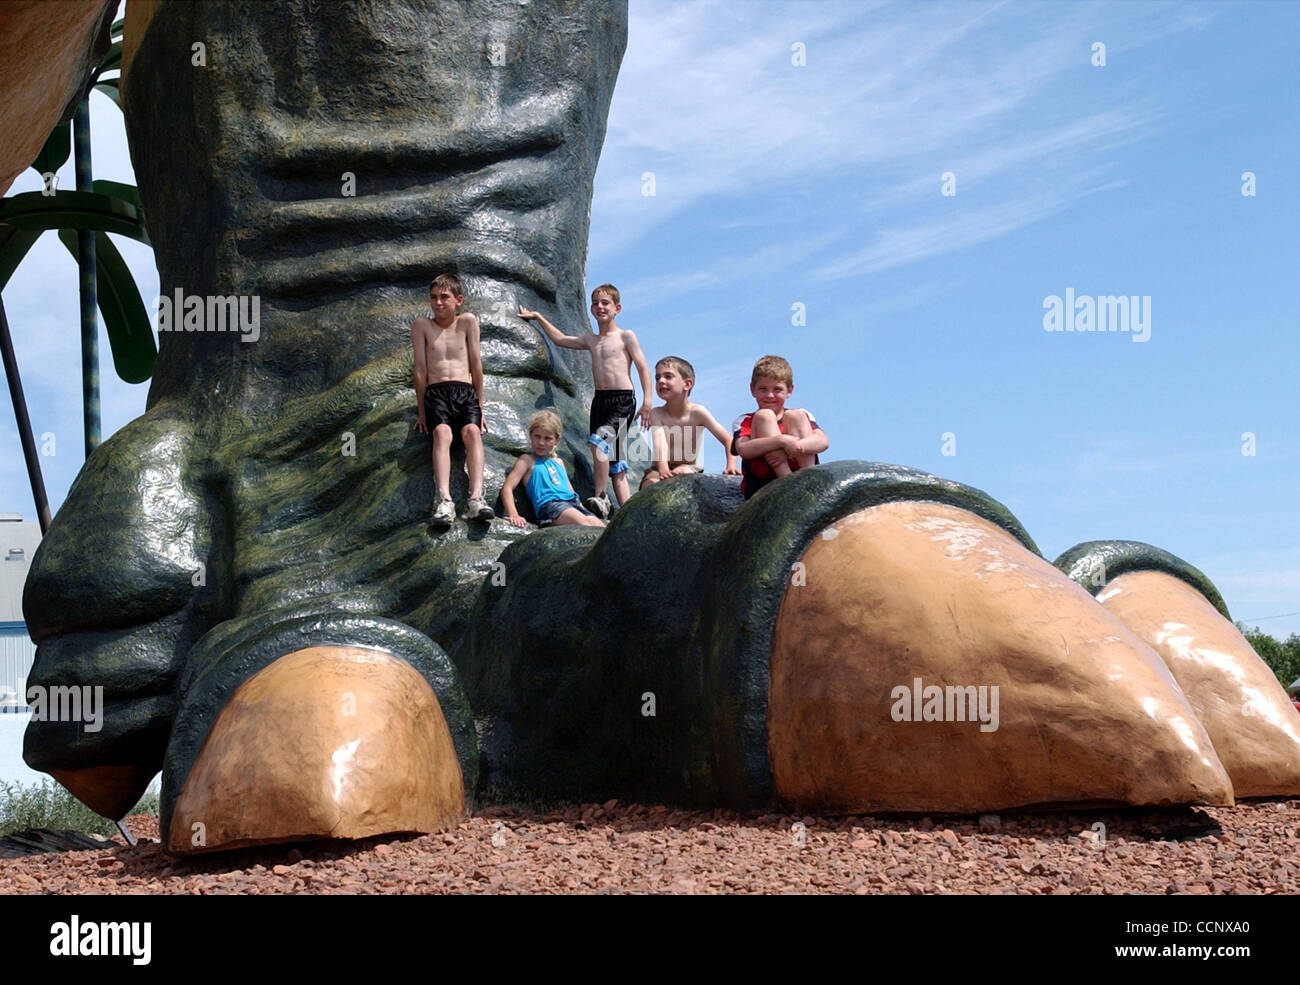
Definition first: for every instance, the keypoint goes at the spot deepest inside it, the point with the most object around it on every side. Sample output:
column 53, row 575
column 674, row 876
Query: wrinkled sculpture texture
column 263, row 524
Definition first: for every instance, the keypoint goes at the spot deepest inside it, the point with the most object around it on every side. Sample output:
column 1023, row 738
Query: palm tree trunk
column 86, row 265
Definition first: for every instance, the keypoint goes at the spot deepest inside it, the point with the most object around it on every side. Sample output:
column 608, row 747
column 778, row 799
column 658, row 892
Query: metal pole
column 24, row 423
column 86, row 267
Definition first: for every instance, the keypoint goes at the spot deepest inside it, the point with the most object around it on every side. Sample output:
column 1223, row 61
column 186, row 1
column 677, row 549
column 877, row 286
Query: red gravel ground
column 1250, row 848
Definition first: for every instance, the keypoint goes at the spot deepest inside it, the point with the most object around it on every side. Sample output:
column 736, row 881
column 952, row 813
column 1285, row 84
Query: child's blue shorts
column 550, row 511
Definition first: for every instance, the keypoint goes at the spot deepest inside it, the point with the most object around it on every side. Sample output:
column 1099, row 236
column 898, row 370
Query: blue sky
column 820, row 184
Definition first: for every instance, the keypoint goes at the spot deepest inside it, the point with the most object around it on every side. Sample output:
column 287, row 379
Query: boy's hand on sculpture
column 551, row 332
column 420, row 424
column 518, row 521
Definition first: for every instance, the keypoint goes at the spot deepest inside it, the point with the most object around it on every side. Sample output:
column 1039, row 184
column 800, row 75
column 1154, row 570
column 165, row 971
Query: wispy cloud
column 890, row 97
column 660, row 288
column 907, row 243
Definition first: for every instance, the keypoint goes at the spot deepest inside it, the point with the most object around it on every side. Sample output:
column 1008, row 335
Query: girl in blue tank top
column 546, row 483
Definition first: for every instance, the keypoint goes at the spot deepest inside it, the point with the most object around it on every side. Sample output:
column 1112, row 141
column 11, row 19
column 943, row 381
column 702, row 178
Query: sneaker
column 599, row 505
column 478, row 509
column 444, row 513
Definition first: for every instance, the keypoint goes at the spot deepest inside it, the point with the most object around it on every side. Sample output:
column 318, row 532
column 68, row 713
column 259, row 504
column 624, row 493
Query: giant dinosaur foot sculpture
column 250, row 559
column 857, row 637
column 762, row 662
column 276, row 466
column 1175, row 609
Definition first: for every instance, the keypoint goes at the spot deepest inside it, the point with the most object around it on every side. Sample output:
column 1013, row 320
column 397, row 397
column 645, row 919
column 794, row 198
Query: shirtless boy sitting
column 613, row 351
column 449, row 394
column 772, row 441
column 679, row 425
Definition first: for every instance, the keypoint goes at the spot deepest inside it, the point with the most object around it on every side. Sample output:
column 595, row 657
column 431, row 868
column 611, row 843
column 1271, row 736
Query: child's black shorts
column 453, row 403
column 614, row 411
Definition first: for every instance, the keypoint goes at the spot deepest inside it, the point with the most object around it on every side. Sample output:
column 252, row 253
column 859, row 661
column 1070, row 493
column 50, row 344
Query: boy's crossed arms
column 772, row 441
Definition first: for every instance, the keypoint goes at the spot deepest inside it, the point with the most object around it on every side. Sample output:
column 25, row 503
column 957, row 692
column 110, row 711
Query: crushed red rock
column 613, row 848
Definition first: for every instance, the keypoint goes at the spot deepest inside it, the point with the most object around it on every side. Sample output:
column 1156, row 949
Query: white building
column 18, row 542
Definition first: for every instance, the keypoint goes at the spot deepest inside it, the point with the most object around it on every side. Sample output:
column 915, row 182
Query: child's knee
column 442, row 434
column 470, row 434
column 797, row 423
column 764, row 424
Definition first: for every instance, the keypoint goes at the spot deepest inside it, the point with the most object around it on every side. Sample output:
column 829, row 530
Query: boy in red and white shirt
column 772, row 441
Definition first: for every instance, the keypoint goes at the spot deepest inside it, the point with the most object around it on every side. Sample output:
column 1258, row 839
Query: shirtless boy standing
column 613, row 351
column 449, row 394
column 679, row 425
